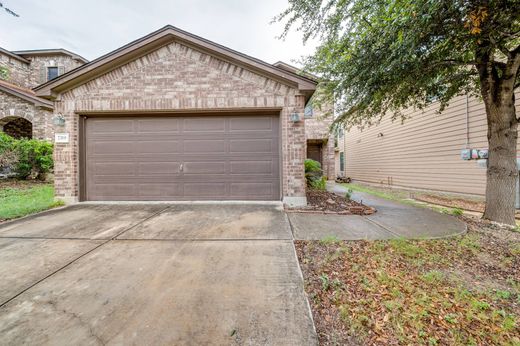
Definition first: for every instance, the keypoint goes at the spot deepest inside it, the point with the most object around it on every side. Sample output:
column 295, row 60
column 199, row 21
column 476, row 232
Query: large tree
column 383, row 56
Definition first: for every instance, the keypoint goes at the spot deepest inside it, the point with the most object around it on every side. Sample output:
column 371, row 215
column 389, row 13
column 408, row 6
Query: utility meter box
column 465, row 154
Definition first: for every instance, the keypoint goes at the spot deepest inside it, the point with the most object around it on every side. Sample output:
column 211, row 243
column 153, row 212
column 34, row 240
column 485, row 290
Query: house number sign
column 61, row 138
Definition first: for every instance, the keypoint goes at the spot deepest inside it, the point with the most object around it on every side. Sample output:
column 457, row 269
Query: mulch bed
column 455, row 291
column 20, row 184
column 320, row 201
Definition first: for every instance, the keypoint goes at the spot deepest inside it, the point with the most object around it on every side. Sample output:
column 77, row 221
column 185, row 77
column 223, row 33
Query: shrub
column 27, row 157
column 8, row 155
column 313, row 173
column 319, row 184
column 35, row 158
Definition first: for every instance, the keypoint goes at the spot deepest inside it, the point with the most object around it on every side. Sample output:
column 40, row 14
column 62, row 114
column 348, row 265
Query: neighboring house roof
column 25, row 94
column 13, row 55
column 156, row 40
column 296, row 70
column 44, row 52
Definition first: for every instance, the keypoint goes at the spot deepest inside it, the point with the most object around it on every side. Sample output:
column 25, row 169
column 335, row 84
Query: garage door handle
column 182, row 167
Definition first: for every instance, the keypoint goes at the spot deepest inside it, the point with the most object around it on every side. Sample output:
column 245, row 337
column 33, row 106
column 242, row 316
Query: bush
column 8, row 155
column 314, row 174
column 28, row 157
column 319, row 184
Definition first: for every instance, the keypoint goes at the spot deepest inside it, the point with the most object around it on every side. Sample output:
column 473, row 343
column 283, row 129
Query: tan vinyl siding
column 424, row 152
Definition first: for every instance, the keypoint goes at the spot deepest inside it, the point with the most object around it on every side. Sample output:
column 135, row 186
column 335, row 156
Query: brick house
column 22, row 113
column 170, row 116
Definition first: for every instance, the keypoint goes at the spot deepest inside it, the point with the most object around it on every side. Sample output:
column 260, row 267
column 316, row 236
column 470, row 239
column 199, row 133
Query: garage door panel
column 246, row 189
column 206, row 124
column 255, row 124
column 158, row 146
column 106, row 147
column 205, row 146
column 252, row 167
column 159, row 168
column 251, row 146
column 105, row 126
column 114, row 168
column 114, row 190
column 156, row 191
column 205, row 190
column 204, row 167
column 170, row 125
column 183, row 158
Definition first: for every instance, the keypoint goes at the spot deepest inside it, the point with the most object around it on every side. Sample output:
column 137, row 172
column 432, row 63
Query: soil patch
column 416, row 292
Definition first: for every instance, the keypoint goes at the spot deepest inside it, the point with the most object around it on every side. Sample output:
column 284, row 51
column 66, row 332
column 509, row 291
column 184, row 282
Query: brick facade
column 17, row 71
column 317, row 130
column 180, row 78
column 39, row 64
column 12, row 107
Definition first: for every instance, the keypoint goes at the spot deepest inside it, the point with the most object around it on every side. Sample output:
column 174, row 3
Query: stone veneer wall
column 12, row 107
column 18, row 71
column 176, row 77
column 38, row 69
column 317, row 128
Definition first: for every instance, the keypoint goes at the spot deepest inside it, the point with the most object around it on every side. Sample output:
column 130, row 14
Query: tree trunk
column 502, row 172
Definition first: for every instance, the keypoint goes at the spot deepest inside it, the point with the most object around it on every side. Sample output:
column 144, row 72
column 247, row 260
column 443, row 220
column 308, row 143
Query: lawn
column 20, row 198
column 458, row 291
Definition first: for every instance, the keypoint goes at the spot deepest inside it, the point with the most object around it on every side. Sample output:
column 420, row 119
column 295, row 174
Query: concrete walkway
column 392, row 220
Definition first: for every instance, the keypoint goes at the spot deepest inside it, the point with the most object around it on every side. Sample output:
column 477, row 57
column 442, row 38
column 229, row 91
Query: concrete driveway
column 153, row 274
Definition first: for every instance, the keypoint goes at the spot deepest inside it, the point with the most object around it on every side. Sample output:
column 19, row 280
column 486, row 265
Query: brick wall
column 13, row 107
column 38, row 68
column 317, row 127
column 18, row 71
column 176, row 77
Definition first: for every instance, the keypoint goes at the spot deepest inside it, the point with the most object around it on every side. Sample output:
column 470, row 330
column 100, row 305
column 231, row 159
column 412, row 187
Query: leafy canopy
column 379, row 56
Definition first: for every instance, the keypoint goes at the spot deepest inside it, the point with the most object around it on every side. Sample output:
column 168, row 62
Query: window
column 52, row 72
column 341, row 161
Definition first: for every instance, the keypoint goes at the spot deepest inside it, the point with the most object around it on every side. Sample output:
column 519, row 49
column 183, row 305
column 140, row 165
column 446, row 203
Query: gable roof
column 25, row 94
column 157, row 39
column 44, row 52
column 296, row 70
column 13, row 55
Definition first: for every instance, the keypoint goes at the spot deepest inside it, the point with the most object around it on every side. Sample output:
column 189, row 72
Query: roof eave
column 33, row 99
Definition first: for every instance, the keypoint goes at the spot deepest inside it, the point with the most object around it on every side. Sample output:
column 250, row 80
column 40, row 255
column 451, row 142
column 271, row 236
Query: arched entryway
column 16, row 127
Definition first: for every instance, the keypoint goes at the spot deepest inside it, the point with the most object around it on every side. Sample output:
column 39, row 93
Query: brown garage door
column 182, row 158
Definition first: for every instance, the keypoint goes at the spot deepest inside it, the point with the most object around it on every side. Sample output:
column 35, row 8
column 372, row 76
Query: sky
column 95, row 27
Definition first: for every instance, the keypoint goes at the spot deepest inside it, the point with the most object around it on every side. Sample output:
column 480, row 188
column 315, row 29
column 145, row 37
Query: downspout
column 467, row 121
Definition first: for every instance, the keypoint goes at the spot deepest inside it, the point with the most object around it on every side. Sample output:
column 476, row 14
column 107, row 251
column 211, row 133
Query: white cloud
column 92, row 28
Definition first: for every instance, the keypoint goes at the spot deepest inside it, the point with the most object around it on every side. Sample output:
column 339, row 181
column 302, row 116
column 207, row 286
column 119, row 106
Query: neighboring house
column 319, row 138
column 424, row 152
column 22, row 113
column 173, row 116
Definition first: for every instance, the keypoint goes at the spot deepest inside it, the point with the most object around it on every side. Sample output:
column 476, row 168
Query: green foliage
column 8, row 154
column 319, row 184
column 457, row 212
column 314, row 175
column 28, row 156
column 330, row 239
column 4, row 73
column 384, row 56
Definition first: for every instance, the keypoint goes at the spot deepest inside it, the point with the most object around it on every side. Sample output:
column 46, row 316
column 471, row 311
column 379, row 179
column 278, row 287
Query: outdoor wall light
column 295, row 117
column 59, row 120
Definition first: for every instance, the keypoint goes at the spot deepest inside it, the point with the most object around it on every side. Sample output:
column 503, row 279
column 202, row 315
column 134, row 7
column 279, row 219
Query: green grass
column 402, row 197
column 390, row 194
column 18, row 202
